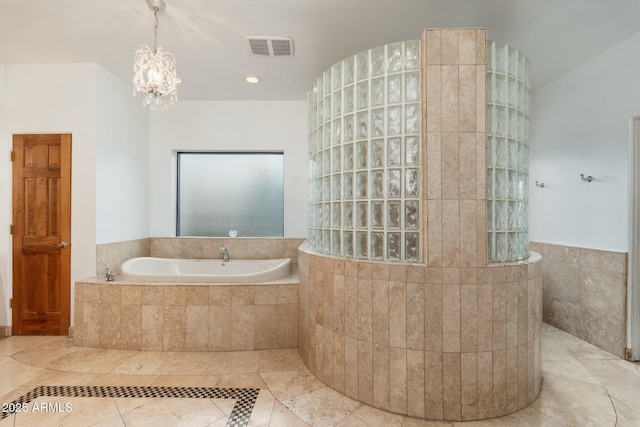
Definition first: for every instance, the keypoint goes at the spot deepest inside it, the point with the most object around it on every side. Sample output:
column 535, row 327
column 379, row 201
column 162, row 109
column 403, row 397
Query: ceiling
column 207, row 37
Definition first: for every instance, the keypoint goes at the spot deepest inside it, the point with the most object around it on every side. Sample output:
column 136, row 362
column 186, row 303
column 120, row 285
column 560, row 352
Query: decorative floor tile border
column 239, row 417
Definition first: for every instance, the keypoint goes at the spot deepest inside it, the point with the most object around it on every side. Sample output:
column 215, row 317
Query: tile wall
column 585, row 293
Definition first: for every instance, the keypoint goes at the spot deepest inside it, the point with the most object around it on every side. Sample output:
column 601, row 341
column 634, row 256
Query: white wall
column 580, row 124
column 225, row 126
column 51, row 99
column 122, row 162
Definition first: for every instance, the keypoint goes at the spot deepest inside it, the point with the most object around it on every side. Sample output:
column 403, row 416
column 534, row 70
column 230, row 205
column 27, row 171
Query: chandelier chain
column 155, row 30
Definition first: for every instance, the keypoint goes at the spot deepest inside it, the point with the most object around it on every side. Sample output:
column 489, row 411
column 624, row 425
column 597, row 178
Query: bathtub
column 149, row 269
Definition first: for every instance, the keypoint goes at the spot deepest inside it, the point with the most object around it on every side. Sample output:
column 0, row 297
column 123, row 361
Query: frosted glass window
column 220, row 192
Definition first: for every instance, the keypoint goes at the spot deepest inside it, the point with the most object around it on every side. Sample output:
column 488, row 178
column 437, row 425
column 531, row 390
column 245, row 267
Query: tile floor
column 582, row 386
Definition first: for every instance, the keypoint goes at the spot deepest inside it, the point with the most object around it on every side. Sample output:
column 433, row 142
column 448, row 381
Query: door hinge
column 628, row 354
column 13, row 156
column 10, row 228
column 10, row 302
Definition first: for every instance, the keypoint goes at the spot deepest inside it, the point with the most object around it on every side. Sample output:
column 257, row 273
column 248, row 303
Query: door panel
column 41, row 226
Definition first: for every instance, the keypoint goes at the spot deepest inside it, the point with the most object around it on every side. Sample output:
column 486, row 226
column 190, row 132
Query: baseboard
column 5, row 331
column 71, row 331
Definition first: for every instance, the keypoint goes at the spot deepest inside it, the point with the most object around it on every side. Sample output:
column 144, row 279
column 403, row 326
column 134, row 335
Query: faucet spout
column 225, row 254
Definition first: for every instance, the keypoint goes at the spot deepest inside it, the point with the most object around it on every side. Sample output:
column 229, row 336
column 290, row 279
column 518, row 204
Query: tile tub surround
column 428, row 342
column 585, row 293
column 179, row 317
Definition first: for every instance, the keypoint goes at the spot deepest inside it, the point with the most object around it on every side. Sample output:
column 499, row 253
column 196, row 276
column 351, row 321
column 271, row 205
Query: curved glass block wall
column 507, row 153
column 364, row 144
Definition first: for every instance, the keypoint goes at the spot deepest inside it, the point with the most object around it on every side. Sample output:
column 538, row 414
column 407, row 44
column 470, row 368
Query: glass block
column 393, row 215
column 394, row 89
column 513, row 123
column 411, row 183
column 326, row 215
column 318, row 214
column 501, row 211
column 361, row 155
column 335, row 243
column 347, row 239
column 326, row 241
column 513, row 61
column 377, row 61
column 347, row 70
column 513, row 216
column 326, row 105
column 490, row 186
column 502, row 153
column 412, row 87
column 337, row 132
column 361, row 185
column 363, row 65
column 394, row 120
column 348, row 186
column 501, row 123
column 393, row 183
column 326, row 135
column 362, row 246
column 362, row 215
column 377, row 91
column 411, row 215
column 393, row 246
column 349, row 128
column 337, row 104
column 377, row 122
column 335, row 159
column 523, row 156
column 377, row 184
column 377, row 245
column 512, row 179
column 377, row 214
column 393, row 151
column 336, row 76
column 521, row 216
column 348, row 215
column 377, row 153
column 411, row 55
column 411, row 247
column 500, row 82
column 512, row 246
column 348, row 157
column 500, row 189
column 363, row 124
column 326, row 161
column 412, row 118
column 327, row 82
column 513, row 93
column 362, row 95
column 500, row 59
column 336, row 215
column 523, row 185
column 394, row 57
column 336, row 187
column 490, row 218
column 411, row 147
column 501, row 248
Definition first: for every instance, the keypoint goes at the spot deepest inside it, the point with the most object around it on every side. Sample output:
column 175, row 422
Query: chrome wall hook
column 540, row 184
column 586, row 178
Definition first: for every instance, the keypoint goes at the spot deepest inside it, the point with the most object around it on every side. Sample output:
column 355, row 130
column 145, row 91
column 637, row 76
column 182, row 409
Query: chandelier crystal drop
column 154, row 71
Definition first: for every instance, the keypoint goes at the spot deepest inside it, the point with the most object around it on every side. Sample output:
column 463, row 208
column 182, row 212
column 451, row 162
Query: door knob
column 62, row 245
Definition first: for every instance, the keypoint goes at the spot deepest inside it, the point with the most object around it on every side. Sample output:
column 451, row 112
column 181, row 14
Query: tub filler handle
column 110, row 276
column 225, row 254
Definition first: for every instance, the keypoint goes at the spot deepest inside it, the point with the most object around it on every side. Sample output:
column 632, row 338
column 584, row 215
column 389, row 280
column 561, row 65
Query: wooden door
column 41, row 234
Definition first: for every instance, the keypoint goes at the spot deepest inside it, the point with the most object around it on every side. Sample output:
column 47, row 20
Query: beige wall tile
column 152, row 327
column 469, row 385
column 338, row 362
column 381, row 365
column 499, row 321
column 415, row 383
column 512, row 379
column 451, row 318
column 450, row 46
column 338, row 303
column 485, row 384
column 433, row 304
column 286, row 332
column 174, row 328
column 328, row 356
column 433, row 46
column 466, row 167
column 433, row 187
column 398, row 314
column 351, row 367
column 467, row 46
column 433, row 111
column 197, row 327
column 451, row 233
column 327, row 294
column 287, row 294
column 523, row 380
column 435, row 242
column 266, row 294
column 467, row 99
column 365, row 309
column 197, row 295
column 380, row 315
column 512, row 314
column 415, row 316
column 365, row 372
column 468, row 234
column 351, row 306
column 469, row 318
column 451, row 386
column 434, row 398
column 398, row 380
column 110, row 294
column 190, row 248
column 131, row 327
column 450, row 98
column 499, row 381
column 174, row 295
column 131, row 295
column 266, row 317
column 523, row 312
column 219, row 328
column 242, row 327
column 110, row 329
column 485, row 317
column 243, row 295
column 450, row 166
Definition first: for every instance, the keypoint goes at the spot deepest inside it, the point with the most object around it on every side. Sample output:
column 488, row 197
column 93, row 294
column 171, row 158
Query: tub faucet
column 225, row 254
column 110, row 276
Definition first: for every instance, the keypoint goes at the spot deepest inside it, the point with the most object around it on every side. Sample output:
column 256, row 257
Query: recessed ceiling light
column 252, row 78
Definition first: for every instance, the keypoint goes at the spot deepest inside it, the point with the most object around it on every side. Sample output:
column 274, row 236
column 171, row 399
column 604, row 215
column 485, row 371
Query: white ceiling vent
column 271, row 46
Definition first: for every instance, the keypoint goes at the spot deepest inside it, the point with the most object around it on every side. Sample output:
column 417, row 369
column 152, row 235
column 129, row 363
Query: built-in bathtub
column 151, row 307
column 151, row 269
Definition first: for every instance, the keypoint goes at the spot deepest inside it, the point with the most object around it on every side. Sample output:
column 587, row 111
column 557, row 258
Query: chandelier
column 154, row 71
